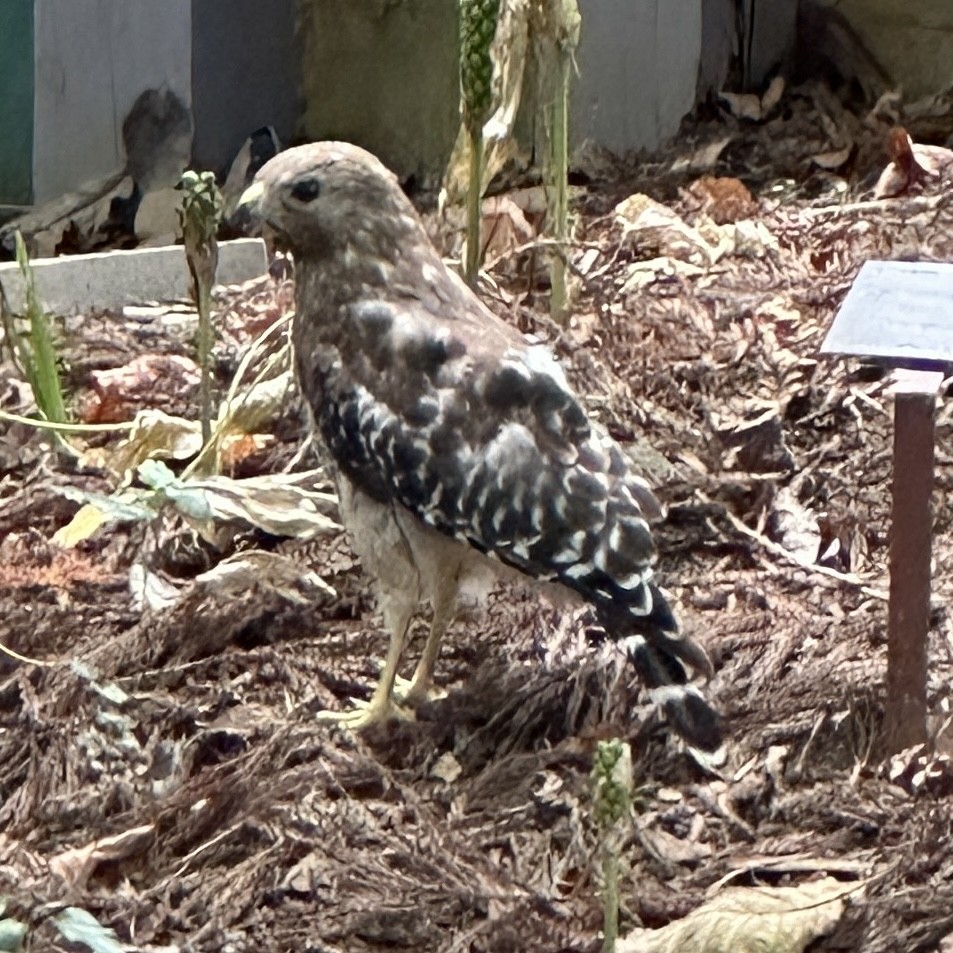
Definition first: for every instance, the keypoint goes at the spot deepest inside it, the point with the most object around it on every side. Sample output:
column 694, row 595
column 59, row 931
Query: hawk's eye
column 306, row 190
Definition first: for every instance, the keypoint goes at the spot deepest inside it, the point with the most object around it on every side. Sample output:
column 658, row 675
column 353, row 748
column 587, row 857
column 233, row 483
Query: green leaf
column 80, row 926
column 155, row 474
column 12, row 934
column 39, row 357
column 130, row 506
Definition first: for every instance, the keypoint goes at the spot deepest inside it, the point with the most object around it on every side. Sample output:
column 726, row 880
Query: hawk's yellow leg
column 381, row 707
column 420, row 688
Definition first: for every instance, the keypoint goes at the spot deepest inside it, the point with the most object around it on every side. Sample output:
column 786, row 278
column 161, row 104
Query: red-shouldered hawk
column 459, row 446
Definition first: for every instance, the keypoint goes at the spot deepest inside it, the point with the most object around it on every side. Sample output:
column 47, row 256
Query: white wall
column 93, row 58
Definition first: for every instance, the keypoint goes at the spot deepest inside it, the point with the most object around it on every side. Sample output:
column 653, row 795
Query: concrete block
column 111, row 280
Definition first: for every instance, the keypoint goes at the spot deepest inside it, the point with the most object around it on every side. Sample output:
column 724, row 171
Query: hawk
column 459, row 447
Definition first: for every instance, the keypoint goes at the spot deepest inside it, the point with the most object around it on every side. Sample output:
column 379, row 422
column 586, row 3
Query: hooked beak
column 246, row 219
column 252, row 195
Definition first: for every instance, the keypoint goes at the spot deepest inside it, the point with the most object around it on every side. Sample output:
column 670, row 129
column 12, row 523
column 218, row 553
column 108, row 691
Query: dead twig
column 850, row 579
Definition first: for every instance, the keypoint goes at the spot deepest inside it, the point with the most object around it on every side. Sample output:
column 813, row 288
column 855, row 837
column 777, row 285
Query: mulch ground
column 163, row 770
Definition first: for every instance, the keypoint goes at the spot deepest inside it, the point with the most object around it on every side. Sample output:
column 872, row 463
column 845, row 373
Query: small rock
column 157, row 219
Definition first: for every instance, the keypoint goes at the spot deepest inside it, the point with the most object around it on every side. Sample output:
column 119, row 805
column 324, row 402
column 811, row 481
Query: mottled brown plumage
column 460, row 447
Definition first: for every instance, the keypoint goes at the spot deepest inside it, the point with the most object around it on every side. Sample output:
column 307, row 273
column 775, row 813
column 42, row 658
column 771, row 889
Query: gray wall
column 638, row 70
column 383, row 74
column 913, row 40
column 16, row 102
column 379, row 72
column 245, row 75
column 93, row 58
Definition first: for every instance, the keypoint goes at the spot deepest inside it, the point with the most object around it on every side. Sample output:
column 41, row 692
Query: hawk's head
column 327, row 198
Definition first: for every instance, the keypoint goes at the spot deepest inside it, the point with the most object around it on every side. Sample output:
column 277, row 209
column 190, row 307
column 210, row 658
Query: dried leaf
column 833, row 159
column 753, row 239
column 280, row 504
column 76, row 865
column 251, row 409
column 640, row 274
column 772, row 95
column 751, row 920
column 129, row 506
column 446, row 768
column 155, row 435
column 117, row 391
column 743, row 105
column 676, row 850
column 703, row 157
column 82, row 526
column 505, row 228
column 648, row 223
column 795, row 526
column 252, row 568
column 150, row 590
column 754, row 107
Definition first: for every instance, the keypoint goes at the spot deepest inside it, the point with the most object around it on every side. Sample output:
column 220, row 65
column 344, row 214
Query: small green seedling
column 201, row 212
column 612, row 806
column 34, row 353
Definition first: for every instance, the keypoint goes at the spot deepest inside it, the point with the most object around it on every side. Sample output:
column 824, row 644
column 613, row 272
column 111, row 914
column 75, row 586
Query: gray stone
column 157, row 218
column 157, row 139
column 112, row 280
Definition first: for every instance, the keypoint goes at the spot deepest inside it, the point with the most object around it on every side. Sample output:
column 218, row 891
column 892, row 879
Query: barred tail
column 664, row 659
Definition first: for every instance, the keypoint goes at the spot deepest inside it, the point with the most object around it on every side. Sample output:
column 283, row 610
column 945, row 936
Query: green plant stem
column 474, row 195
column 211, row 448
column 204, row 304
column 559, row 189
column 610, row 896
column 58, row 427
column 38, row 356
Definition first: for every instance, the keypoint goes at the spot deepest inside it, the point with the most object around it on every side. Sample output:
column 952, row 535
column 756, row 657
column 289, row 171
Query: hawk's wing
column 478, row 433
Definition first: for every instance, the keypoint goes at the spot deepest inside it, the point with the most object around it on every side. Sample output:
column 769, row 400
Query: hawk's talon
column 365, row 714
column 412, row 692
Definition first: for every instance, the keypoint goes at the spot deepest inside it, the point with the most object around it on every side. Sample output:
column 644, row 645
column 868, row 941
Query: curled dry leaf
column 446, row 768
column 78, row 864
column 154, row 434
column 703, row 156
column 752, row 920
column 795, row 526
column 754, row 107
column 912, row 166
column 505, row 228
column 280, row 504
column 116, row 393
column 641, row 274
column 253, row 567
column 723, row 198
column 650, row 224
column 251, row 409
column 833, row 159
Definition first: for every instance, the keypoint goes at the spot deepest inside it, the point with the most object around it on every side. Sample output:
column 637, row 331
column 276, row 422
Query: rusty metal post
column 911, row 536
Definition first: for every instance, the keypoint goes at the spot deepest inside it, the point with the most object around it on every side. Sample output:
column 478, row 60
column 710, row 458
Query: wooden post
column 899, row 312
column 910, row 547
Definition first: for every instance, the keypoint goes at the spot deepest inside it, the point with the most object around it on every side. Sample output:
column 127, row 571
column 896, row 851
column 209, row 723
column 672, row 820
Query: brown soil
column 164, row 771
